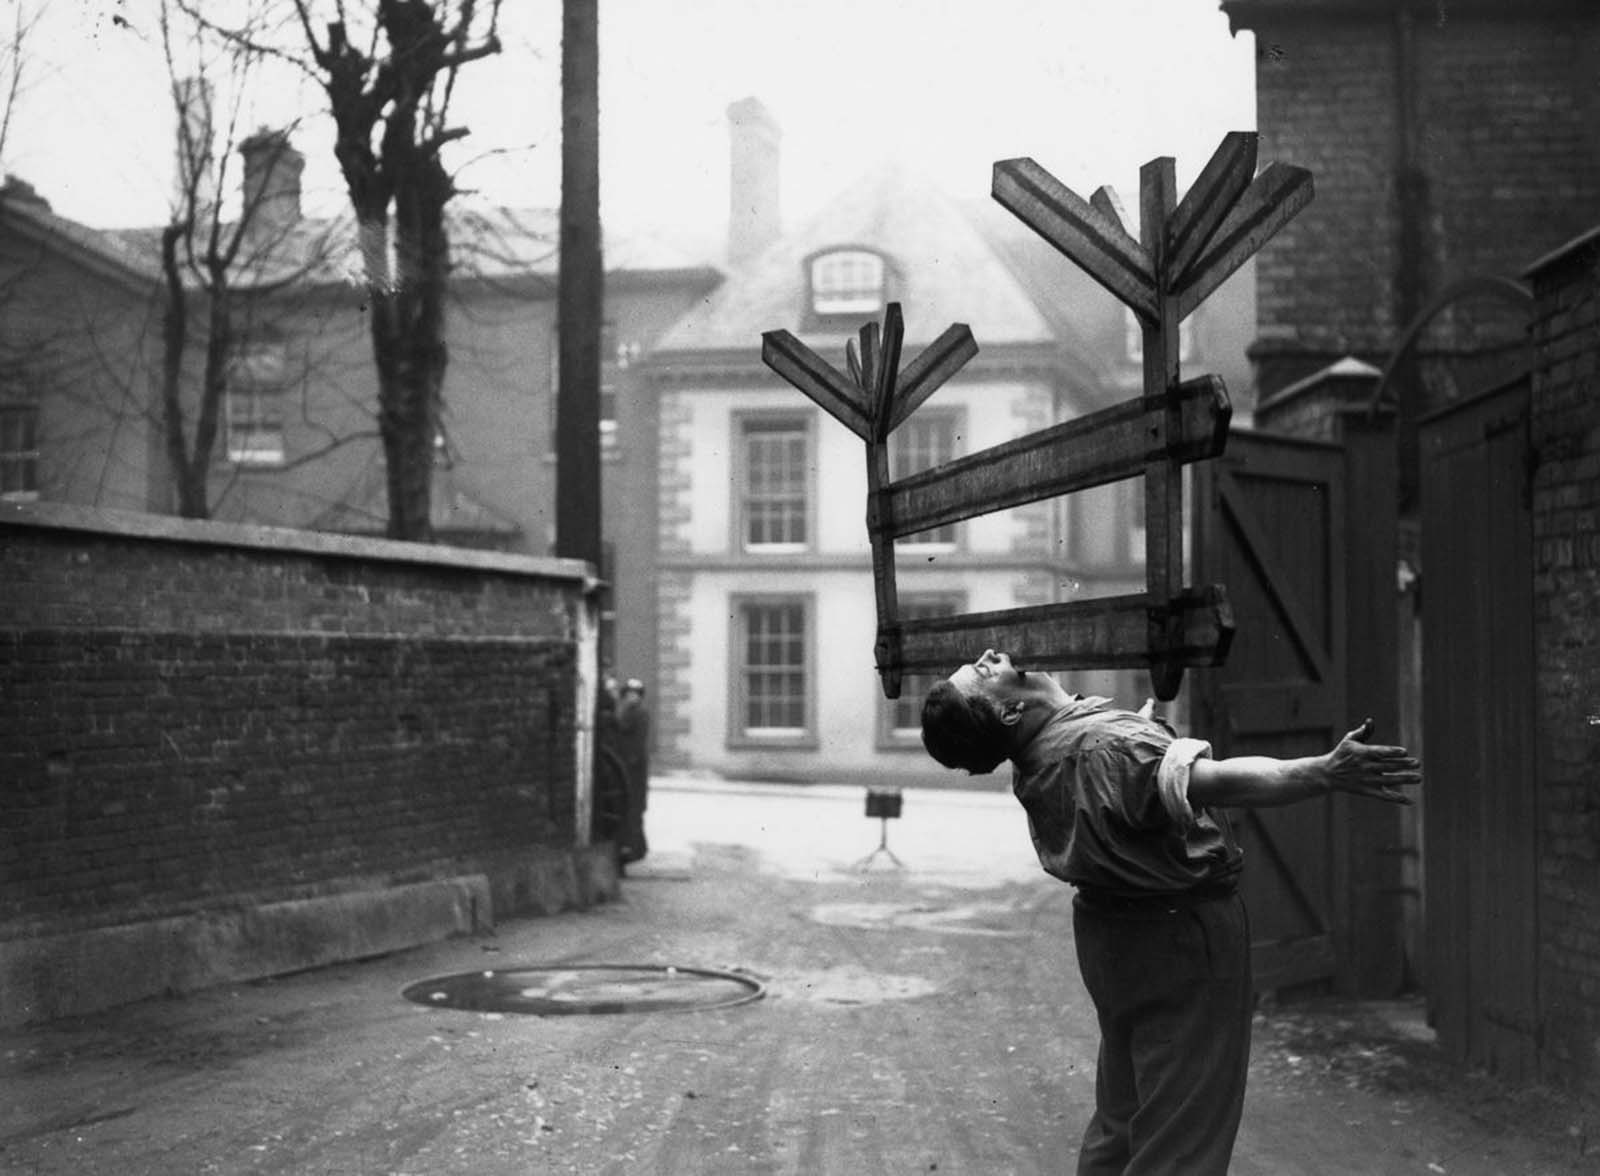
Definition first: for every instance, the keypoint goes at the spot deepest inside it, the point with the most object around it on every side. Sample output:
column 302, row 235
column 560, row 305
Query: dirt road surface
column 917, row 1017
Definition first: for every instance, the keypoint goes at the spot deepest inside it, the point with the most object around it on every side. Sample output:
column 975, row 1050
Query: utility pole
column 580, row 305
column 580, row 289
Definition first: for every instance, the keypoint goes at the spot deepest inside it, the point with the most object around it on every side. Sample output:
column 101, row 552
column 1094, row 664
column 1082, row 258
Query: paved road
column 918, row 1018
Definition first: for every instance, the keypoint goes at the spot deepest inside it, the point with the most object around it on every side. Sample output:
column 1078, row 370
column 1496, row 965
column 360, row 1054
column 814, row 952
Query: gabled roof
column 946, row 272
column 27, row 215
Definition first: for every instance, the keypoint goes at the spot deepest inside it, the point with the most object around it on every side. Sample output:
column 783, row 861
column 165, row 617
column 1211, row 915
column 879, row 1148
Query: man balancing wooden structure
column 1117, row 804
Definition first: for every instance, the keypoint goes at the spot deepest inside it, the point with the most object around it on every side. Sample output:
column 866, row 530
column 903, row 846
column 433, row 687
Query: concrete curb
column 51, row 976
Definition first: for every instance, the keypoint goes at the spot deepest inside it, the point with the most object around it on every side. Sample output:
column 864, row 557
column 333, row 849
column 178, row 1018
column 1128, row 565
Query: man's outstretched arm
column 1354, row 766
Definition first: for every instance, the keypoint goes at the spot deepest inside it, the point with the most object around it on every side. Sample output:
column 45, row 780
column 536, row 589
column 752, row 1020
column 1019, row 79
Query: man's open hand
column 1371, row 769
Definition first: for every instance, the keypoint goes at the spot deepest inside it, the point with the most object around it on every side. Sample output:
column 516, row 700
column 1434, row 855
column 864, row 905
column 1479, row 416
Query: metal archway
column 1495, row 285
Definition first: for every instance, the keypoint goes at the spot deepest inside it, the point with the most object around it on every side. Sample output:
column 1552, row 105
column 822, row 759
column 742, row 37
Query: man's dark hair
column 962, row 732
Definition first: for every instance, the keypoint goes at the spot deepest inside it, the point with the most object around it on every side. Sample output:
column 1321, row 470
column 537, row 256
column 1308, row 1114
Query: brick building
column 80, row 423
column 73, row 428
column 1452, row 144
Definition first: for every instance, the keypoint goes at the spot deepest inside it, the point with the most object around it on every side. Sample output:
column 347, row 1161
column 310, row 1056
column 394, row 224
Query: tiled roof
column 486, row 241
column 29, row 214
column 946, row 272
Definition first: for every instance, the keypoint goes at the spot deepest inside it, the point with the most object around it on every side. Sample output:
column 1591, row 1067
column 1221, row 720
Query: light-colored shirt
column 1106, row 793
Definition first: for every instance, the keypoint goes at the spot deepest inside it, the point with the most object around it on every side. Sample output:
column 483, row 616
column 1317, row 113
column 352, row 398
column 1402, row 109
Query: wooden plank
column 1279, row 707
column 1102, row 447
column 1215, row 191
column 869, row 335
column 1288, row 881
column 1163, row 478
column 1481, row 830
column 887, row 649
column 1099, row 633
column 1109, row 205
column 883, row 384
column 1099, row 246
column 1163, row 486
column 817, row 378
column 1271, row 201
column 1298, row 619
column 935, row 364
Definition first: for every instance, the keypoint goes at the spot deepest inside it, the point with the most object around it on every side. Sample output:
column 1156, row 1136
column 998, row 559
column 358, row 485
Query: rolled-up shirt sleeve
column 1172, row 778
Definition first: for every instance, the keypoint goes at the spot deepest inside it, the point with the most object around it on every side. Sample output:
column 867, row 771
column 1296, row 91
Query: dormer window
column 847, row 281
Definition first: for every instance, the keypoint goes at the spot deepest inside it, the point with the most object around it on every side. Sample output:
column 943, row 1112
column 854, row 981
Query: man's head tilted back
column 980, row 714
column 961, row 731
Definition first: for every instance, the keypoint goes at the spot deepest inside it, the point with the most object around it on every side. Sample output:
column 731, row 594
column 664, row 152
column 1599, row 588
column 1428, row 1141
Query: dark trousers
column 1171, row 986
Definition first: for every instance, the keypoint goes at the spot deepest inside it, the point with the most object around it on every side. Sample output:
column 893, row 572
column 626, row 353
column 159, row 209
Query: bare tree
column 389, row 73
column 14, row 63
column 391, row 107
column 216, row 272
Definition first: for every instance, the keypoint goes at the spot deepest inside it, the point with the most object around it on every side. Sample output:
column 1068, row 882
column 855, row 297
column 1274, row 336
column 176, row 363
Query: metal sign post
column 883, row 803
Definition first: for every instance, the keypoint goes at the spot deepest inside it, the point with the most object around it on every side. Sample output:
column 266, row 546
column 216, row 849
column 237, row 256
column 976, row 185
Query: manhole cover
column 587, row 988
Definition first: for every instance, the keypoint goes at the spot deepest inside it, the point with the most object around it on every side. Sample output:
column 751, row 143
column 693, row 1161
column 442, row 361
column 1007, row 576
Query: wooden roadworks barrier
column 1185, row 250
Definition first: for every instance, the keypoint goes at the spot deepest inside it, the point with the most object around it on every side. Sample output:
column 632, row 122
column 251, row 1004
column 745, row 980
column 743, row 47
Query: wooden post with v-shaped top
column 1184, row 252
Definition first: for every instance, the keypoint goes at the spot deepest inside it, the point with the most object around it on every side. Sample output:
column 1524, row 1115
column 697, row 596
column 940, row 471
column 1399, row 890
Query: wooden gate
column 1480, row 826
column 1270, row 524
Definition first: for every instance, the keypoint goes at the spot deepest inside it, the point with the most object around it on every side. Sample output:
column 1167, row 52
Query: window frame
column 804, row 423
column 852, row 302
column 744, row 738
column 943, row 602
column 245, row 453
column 25, row 458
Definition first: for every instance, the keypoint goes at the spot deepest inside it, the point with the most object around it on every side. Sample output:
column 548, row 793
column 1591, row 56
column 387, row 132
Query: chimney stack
column 272, row 170
column 753, row 216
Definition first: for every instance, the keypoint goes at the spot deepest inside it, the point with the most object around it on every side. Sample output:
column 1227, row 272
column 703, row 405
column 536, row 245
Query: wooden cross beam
column 1106, row 632
column 1105, row 446
column 1184, row 251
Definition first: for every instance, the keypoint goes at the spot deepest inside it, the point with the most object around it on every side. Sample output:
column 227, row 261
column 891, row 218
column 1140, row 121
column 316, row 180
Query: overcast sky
column 1090, row 88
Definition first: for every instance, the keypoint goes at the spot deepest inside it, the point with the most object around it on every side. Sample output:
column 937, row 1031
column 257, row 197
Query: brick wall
column 1506, row 167
column 198, row 716
column 1566, row 500
column 1324, row 99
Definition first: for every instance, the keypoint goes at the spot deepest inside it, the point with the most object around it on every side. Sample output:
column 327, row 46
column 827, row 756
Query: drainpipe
column 1412, row 197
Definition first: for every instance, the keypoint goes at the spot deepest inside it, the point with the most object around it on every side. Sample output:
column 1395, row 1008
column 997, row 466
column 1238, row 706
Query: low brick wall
column 199, row 720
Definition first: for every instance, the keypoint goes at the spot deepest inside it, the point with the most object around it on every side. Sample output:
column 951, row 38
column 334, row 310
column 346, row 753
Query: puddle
column 972, row 918
column 852, row 986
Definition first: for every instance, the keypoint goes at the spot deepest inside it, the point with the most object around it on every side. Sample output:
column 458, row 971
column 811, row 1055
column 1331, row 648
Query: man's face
column 992, row 676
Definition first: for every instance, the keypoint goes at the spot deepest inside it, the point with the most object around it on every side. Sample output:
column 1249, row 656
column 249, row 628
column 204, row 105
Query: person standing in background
column 633, row 747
